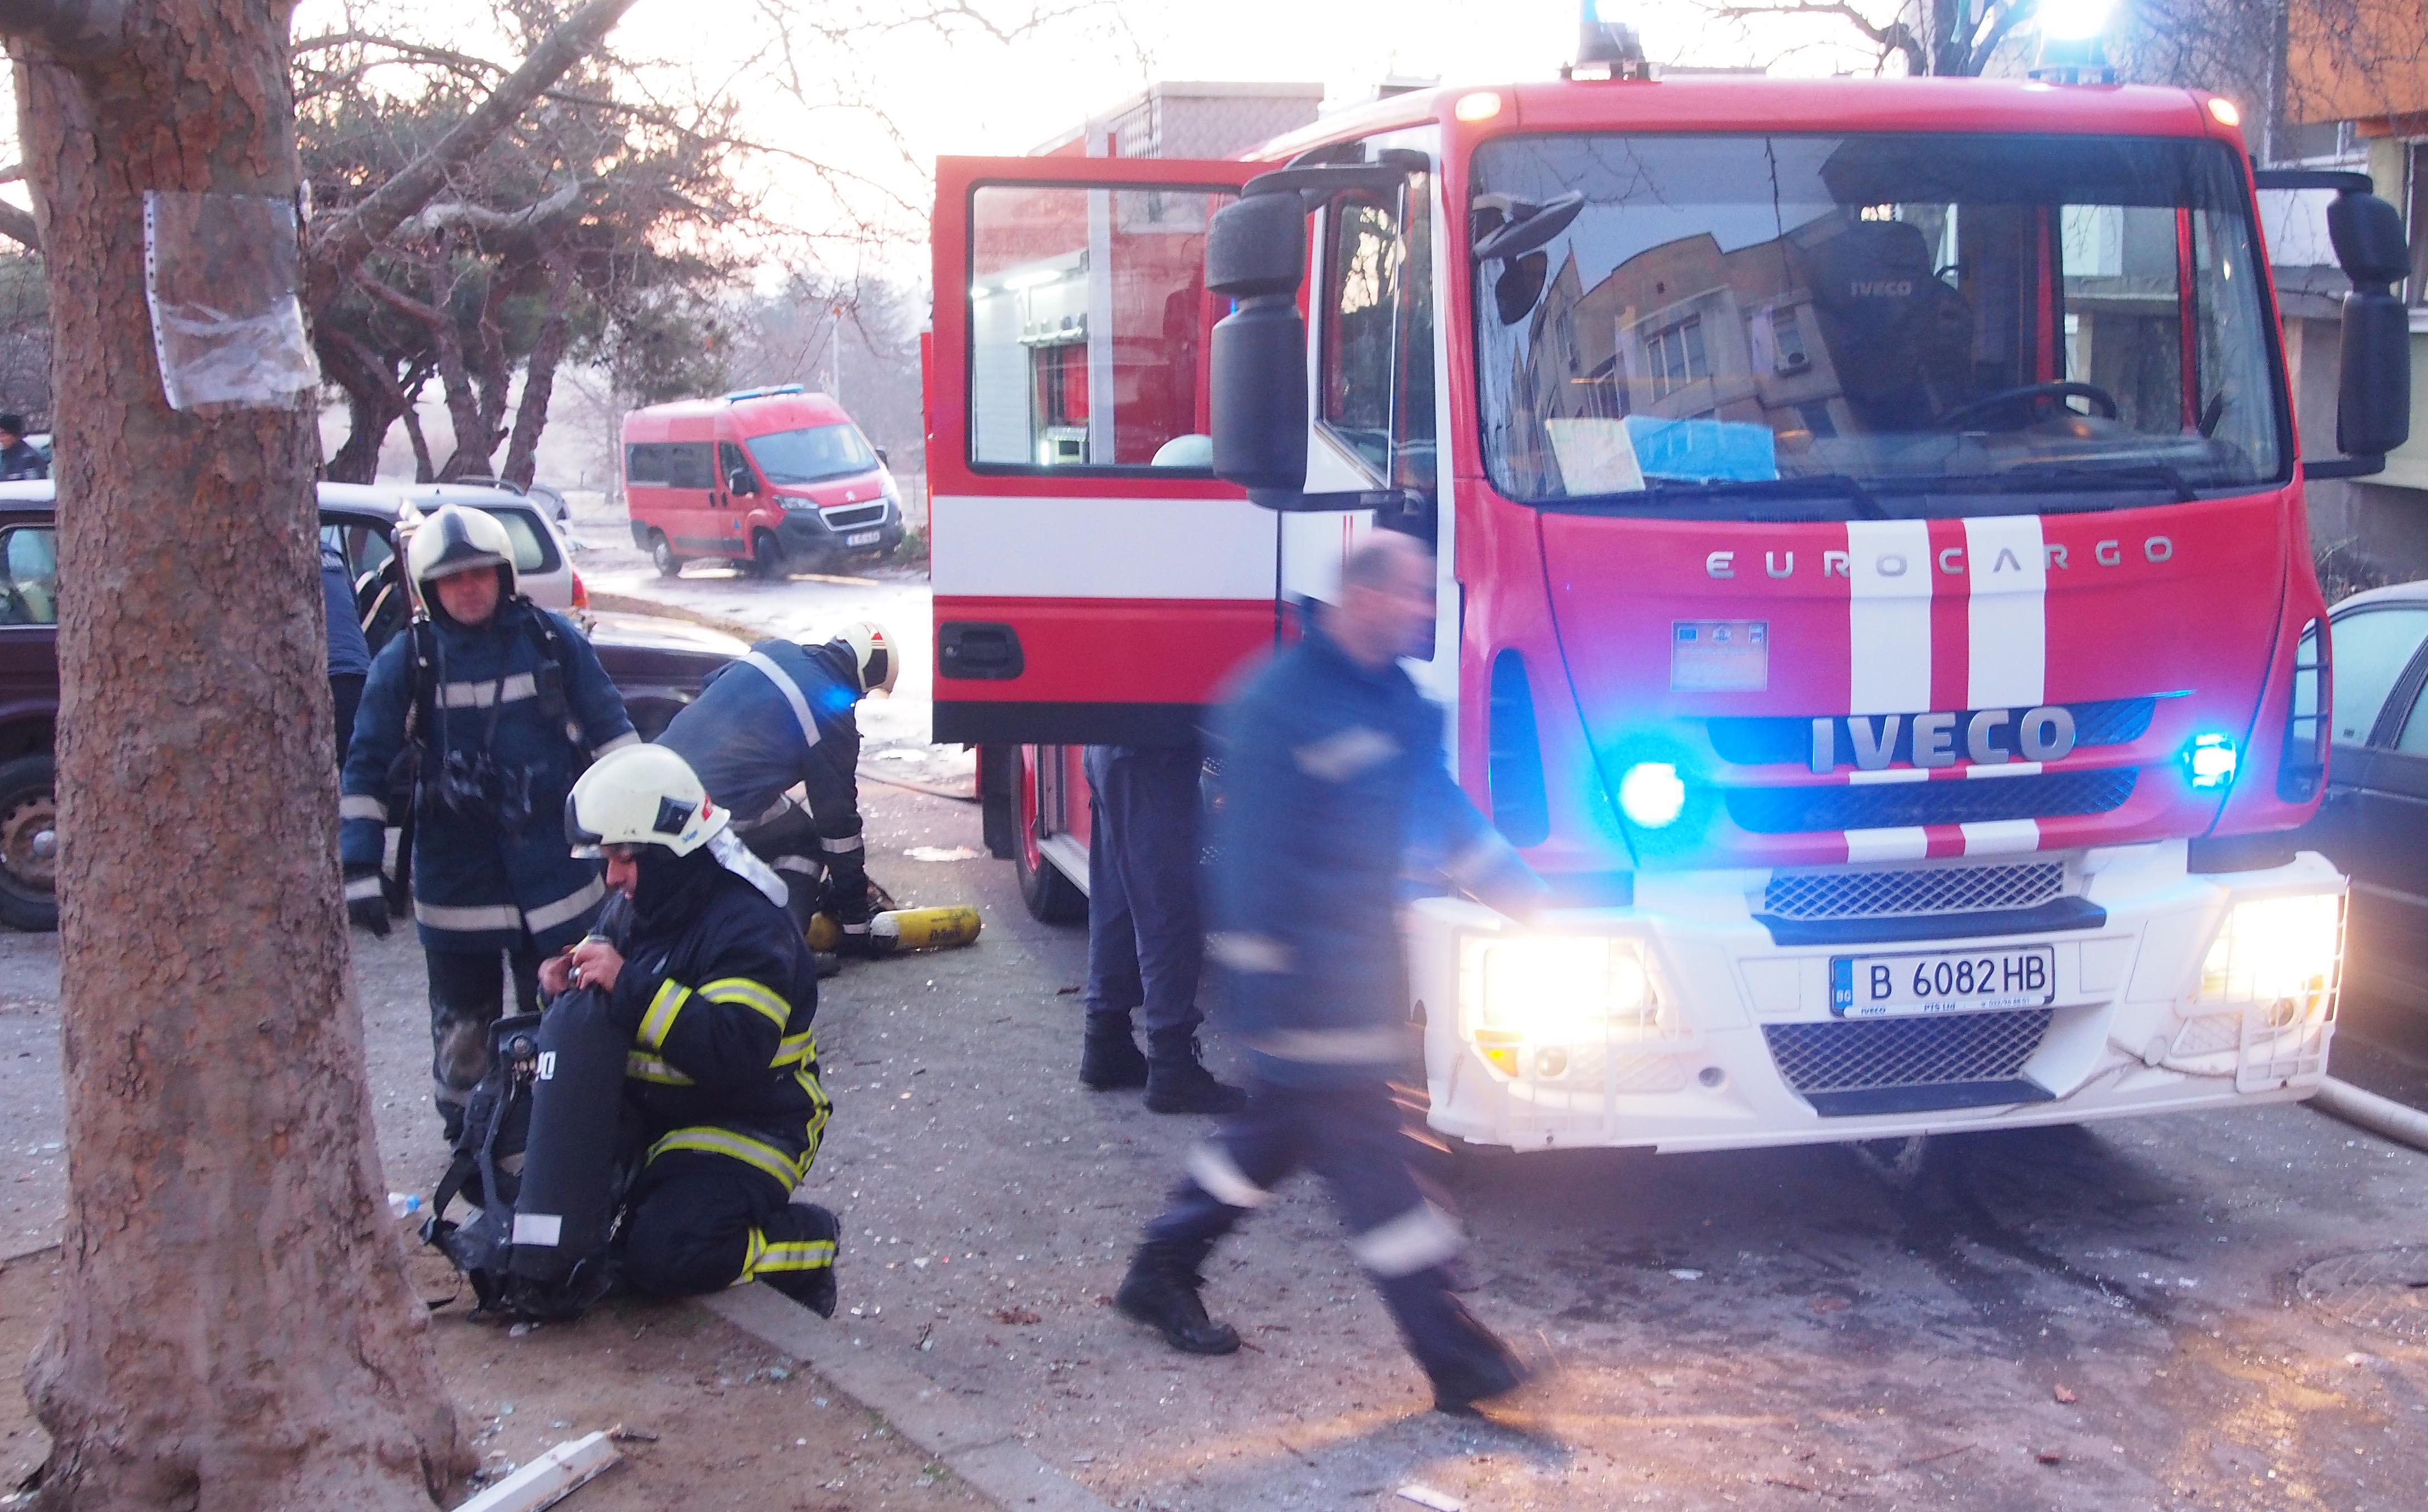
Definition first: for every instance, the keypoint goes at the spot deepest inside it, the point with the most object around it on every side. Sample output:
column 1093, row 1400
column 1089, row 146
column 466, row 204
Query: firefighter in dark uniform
column 700, row 960
column 1146, row 941
column 480, row 712
column 787, row 714
column 1334, row 782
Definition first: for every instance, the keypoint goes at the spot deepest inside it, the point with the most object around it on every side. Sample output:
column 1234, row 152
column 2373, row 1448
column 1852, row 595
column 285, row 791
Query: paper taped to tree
column 220, row 272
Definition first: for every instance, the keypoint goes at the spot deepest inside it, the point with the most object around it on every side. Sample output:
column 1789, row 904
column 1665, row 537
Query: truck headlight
column 2277, row 950
column 1563, row 990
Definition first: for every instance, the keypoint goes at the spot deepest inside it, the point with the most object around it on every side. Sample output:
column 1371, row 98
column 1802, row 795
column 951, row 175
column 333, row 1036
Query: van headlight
column 2277, row 950
column 1561, row 990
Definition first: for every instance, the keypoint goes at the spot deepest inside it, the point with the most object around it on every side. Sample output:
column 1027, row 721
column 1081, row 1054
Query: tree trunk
column 235, row 1329
column 539, row 374
column 424, row 471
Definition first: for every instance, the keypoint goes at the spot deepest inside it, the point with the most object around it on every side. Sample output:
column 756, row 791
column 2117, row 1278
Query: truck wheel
column 29, row 845
column 1052, row 898
column 662, row 552
column 767, row 557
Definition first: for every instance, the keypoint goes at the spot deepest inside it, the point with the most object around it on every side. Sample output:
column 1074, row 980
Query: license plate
column 1948, row 981
column 862, row 538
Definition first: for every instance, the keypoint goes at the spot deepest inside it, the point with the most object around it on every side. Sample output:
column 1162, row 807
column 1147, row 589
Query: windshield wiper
column 2056, row 476
column 1841, row 485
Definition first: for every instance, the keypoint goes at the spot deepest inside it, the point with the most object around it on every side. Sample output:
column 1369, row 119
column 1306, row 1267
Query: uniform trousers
column 1146, row 942
column 468, row 995
column 701, row 1222
column 1355, row 1138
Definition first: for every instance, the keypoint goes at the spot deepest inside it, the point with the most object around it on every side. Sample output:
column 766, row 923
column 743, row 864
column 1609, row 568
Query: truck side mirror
column 2373, row 397
column 1256, row 253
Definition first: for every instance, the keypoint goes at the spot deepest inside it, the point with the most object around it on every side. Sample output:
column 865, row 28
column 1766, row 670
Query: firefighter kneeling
column 700, row 963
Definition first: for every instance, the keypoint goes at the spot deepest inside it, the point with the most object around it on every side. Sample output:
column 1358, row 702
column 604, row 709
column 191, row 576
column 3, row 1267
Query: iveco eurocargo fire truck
column 1874, row 584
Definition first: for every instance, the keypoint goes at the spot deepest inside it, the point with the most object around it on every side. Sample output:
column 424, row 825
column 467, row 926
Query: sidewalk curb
column 981, row 1451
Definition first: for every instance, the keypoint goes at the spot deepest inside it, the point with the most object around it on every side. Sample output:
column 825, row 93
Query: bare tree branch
column 339, row 250
column 19, row 225
column 452, row 214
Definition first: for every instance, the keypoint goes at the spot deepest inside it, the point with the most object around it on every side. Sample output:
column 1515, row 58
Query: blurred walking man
column 1334, row 783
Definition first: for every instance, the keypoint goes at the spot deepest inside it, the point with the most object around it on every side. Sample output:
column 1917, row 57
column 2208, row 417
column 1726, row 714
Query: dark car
column 658, row 664
column 2374, row 822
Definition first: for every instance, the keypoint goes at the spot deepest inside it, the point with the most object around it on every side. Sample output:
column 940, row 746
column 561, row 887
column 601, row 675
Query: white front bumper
column 2128, row 1033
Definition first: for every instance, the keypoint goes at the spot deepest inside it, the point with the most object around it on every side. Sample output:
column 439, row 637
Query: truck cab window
column 1087, row 320
column 1376, row 389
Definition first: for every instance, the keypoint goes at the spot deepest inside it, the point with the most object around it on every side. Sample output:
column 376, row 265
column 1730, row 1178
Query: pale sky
column 904, row 91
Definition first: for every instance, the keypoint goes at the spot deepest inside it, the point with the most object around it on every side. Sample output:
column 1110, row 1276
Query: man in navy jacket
column 1335, row 784
column 497, row 702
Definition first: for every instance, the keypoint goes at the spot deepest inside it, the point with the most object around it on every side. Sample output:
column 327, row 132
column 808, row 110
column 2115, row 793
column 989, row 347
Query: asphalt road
column 2175, row 1312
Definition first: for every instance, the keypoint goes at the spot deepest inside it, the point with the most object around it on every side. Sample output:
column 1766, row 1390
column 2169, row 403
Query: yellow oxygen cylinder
column 924, row 929
column 825, row 933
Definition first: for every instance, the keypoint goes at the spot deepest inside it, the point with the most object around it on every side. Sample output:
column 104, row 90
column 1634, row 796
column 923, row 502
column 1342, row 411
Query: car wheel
column 767, row 557
column 1052, row 898
column 29, row 844
column 662, row 552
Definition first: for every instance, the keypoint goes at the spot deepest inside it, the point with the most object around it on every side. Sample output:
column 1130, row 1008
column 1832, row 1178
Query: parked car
column 658, row 664
column 2374, row 822
column 772, row 479
column 550, row 499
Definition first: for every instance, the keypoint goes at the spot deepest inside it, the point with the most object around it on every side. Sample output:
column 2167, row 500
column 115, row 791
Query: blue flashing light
column 2075, row 20
column 2211, row 760
column 1652, row 795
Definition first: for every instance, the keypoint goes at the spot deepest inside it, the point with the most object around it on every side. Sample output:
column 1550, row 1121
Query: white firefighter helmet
column 873, row 656
column 454, row 539
column 640, row 795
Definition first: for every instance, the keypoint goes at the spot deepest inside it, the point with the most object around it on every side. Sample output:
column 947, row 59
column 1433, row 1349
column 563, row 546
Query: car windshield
column 822, row 451
column 1898, row 323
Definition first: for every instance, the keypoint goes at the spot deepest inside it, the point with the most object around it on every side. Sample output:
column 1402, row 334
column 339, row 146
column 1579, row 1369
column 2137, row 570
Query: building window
column 1674, row 356
column 2416, row 216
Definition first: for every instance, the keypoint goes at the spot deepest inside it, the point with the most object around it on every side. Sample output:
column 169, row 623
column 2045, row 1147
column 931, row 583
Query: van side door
column 1093, row 581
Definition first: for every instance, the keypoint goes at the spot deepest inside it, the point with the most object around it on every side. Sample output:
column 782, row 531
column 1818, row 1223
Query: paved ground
column 2077, row 1319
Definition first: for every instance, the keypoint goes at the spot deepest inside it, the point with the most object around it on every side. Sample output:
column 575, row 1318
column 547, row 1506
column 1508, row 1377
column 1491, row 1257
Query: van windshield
column 810, row 456
column 1902, row 323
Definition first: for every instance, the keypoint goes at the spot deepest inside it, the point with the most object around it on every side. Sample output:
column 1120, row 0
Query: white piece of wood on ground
column 549, row 1479
column 1427, row 1496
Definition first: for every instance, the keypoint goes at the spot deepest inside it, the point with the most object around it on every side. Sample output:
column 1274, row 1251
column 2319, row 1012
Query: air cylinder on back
column 566, row 1204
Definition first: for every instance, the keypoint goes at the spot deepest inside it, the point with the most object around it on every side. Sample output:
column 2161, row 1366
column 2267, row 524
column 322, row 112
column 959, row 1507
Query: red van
column 771, row 477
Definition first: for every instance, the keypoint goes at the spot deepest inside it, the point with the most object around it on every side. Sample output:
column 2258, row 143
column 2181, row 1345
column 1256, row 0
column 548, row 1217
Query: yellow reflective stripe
column 821, row 1108
column 752, row 1152
column 750, row 995
column 643, row 1066
column 792, row 1254
column 758, row 1246
column 803, row 1047
column 660, row 1020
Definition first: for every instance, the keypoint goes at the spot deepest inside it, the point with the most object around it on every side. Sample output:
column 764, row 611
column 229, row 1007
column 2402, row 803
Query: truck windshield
column 808, row 456
column 1892, row 324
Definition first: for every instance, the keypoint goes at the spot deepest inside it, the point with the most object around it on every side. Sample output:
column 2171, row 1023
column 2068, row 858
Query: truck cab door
column 1094, row 582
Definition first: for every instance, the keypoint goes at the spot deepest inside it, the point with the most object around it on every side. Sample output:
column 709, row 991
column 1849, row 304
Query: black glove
column 364, row 904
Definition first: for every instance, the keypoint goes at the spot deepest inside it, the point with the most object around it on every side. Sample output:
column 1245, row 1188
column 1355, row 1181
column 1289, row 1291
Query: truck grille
column 1785, row 740
column 844, row 518
column 1873, row 1055
column 1890, row 805
column 1905, row 891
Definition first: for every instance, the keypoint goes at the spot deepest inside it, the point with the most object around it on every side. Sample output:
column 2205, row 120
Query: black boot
column 1467, row 1361
column 1161, row 1291
column 1176, row 1082
column 813, row 1289
column 1109, row 1058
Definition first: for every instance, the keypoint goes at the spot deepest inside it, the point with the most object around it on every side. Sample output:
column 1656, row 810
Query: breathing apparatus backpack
column 548, row 1150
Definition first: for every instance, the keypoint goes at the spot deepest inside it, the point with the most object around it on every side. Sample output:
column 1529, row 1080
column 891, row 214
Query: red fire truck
column 1875, row 584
